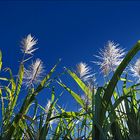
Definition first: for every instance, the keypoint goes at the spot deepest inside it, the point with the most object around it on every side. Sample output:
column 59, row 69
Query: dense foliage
column 104, row 112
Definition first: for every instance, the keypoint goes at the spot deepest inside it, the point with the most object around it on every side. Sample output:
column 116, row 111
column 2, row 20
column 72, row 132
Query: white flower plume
column 34, row 73
column 28, row 44
column 135, row 69
column 110, row 57
column 84, row 71
column 48, row 106
column 53, row 113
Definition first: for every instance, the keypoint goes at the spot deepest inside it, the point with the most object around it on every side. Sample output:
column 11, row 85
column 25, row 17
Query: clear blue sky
column 71, row 30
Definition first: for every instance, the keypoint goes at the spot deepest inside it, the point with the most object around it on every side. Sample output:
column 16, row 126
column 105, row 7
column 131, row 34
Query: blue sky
column 71, row 30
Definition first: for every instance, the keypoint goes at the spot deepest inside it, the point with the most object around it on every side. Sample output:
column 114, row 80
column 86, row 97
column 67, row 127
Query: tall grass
column 108, row 112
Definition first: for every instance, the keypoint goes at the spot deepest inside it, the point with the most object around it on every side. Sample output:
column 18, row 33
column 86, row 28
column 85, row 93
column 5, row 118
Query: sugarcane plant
column 14, row 123
column 110, row 111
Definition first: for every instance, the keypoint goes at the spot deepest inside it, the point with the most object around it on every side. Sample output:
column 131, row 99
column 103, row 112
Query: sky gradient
column 71, row 30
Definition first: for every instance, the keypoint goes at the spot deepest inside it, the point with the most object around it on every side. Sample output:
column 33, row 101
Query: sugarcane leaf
column 74, row 95
column 81, row 84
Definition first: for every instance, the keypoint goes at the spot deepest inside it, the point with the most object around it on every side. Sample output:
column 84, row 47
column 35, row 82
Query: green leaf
column 98, row 103
column 74, row 95
column 81, row 84
column 28, row 100
column 71, row 114
column 18, row 87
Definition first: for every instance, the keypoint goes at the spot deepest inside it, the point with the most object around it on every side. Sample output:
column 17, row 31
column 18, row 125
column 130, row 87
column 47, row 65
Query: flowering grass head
column 53, row 111
column 28, row 44
column 84, row 71
column 135, row 69
column 110, row 57
column 34, row 73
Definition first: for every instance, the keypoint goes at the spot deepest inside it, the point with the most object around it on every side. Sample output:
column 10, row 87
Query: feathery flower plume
column 84, row 71
column 53, row 113
column 28, row 44
column 34, row 73
column 135, row 69
column 48, row 106
column 110, row 57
